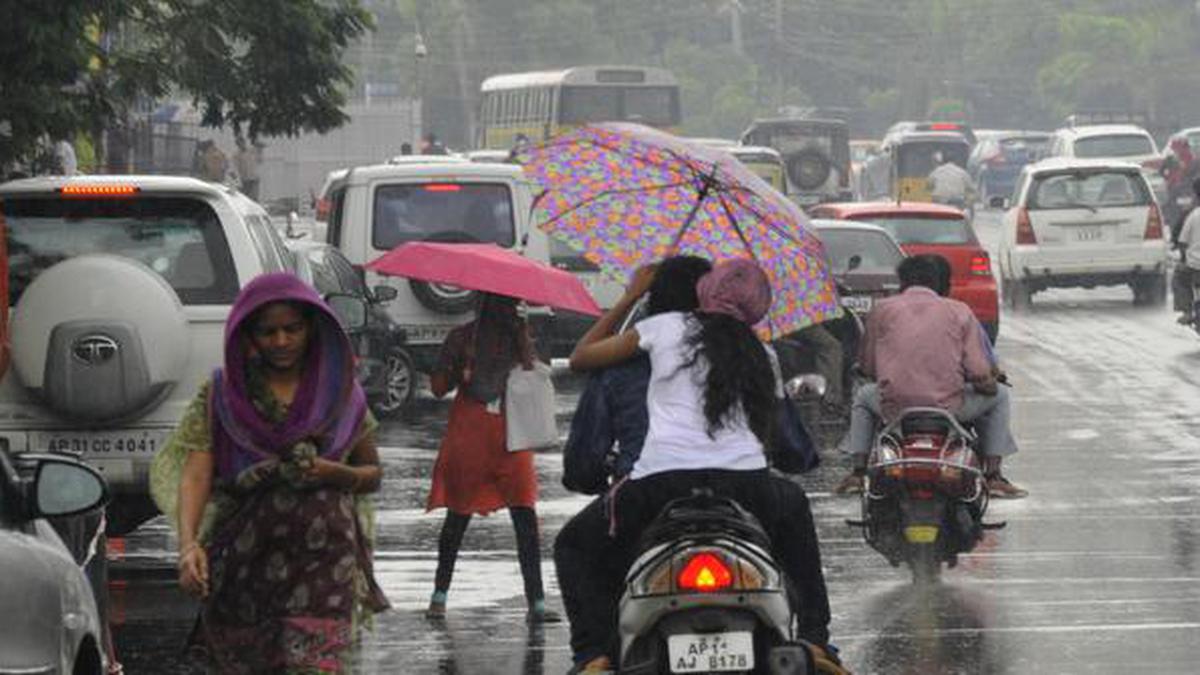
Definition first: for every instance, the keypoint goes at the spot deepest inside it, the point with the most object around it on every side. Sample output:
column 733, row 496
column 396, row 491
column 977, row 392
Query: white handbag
column 529, row 408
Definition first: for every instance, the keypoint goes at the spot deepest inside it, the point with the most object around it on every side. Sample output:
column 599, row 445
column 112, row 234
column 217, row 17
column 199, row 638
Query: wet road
column 1098, row 570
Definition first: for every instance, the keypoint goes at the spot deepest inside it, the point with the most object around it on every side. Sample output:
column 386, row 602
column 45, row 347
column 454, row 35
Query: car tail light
column 1153, row 224
column 981, row 264
column 944, row 126
column 103, row 190
column 442, row 187
column 1025, row 233
column 705, row 572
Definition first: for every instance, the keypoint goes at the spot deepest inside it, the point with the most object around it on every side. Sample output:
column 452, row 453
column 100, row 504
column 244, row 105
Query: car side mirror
column 854, row 262
column 350, row 309
column 63, row 487
column 998, row 202
column 385, row 293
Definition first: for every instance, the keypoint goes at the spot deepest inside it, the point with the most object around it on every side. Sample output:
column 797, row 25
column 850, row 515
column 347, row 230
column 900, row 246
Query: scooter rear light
column 705, row 572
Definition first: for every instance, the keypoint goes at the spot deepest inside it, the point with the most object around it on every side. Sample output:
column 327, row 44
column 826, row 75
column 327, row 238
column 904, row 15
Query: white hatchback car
column 1078, row 222
column 120, row 287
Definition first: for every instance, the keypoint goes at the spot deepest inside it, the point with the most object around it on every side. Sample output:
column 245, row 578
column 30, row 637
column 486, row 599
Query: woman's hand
column 641, row 281
column 325, row 472
column 193, row 570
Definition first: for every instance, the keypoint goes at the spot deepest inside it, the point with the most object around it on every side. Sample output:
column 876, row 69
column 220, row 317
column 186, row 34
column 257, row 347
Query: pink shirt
column 922, row 349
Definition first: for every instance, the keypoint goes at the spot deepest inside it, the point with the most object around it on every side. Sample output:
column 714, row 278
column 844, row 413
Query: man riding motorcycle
column 924, row 350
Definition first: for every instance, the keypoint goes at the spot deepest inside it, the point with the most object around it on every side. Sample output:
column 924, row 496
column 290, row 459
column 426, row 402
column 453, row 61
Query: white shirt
column 678, row 438
column 950, row 181
column 1189, row 238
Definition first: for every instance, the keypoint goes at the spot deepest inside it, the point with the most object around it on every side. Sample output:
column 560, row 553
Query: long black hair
column 741, row 381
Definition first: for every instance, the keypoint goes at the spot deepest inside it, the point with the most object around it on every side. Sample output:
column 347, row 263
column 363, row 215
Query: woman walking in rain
column 475, row 473
column 276, row 451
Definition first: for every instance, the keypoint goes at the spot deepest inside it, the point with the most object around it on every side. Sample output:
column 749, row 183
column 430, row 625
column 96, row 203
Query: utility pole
column 735, row 9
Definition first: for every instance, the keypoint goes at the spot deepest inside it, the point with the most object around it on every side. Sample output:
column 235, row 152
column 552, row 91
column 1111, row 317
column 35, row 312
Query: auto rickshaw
column 901, row 171
column 766, row 163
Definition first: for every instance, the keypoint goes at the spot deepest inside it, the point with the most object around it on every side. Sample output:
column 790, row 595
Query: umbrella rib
column 745, row 242
column 608, row 193
column 763, row 218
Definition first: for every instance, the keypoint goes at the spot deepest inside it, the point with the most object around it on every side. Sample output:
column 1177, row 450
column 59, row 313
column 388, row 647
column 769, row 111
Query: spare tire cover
column 809, row 168
column 442, row 298
column 100, row 338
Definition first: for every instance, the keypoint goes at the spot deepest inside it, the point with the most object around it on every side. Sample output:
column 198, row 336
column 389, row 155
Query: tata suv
column 120, row 287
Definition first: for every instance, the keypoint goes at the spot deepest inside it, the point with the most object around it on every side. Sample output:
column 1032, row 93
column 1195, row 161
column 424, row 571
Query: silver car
column 51, row 622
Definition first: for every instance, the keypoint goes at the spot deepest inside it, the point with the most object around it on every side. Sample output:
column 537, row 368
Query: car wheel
column 400, row 384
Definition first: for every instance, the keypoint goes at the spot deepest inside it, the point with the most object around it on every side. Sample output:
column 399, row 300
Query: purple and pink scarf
column 329, row 405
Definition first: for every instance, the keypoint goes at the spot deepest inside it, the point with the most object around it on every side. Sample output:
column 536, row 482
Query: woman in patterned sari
column 278, row 447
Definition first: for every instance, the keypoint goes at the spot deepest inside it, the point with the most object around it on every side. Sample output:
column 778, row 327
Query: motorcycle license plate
column 711, row 652
column 921, row 534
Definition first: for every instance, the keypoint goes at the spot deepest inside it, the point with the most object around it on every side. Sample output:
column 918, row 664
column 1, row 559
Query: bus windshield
column 657, row 106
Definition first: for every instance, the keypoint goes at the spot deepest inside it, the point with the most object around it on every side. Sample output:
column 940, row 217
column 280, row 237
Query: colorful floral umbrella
column 625, row 195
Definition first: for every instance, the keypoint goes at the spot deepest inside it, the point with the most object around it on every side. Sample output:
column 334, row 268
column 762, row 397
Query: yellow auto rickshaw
column 766, row 163
column 901, row 171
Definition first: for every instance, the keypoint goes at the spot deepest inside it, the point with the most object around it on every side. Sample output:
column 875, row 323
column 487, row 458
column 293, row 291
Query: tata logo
column 95, row 350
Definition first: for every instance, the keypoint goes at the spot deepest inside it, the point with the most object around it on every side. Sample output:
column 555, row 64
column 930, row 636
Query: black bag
column 793, row 450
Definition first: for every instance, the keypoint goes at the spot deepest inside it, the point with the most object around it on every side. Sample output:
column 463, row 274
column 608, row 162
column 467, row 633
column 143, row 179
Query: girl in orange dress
column 475, row 473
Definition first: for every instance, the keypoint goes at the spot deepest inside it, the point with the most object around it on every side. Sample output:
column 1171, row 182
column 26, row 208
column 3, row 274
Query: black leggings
column 524, row 521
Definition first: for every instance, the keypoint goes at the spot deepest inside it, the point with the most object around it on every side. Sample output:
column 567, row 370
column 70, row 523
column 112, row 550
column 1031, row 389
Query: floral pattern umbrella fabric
column 625, row 195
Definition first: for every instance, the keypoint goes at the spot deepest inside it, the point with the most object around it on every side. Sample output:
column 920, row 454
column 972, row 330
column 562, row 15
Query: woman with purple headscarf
column 279, row 447
column 711, row 401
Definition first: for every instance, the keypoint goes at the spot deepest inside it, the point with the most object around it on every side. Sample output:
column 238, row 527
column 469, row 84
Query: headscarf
column 737, row 288
column 329, row 404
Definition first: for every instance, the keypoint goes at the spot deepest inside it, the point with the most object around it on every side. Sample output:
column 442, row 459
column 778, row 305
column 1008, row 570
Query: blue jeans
column 990, row 416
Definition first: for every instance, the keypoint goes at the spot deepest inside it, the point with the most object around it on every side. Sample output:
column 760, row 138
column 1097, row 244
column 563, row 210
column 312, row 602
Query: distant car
column 996, row 161
column 921, row 227
column 1124, row 142
column 864, row 258
column 51, row 620
column 816, row 153
column 385, row 368
column 1080, row 222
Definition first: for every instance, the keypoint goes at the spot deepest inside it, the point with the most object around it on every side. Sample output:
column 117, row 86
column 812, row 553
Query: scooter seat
column 704, row 514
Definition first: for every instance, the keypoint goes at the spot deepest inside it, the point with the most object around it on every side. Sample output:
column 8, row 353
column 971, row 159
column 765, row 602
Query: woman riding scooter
column 711, row 398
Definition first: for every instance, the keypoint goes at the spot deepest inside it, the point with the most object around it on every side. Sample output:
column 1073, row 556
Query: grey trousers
column 989, row 414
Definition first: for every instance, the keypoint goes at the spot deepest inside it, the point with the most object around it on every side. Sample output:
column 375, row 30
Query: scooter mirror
column 806, row 386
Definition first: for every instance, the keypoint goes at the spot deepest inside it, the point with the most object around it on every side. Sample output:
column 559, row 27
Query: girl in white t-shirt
column 711, row 401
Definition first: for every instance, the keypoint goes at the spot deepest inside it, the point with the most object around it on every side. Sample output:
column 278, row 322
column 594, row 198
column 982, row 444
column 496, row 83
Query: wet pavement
column 1096, row 572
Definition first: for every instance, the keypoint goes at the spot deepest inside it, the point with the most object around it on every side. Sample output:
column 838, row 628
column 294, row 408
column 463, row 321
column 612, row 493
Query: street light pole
column 416, row 105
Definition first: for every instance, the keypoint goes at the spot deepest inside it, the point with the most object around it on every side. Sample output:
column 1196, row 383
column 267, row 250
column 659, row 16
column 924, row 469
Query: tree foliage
column 268, row 67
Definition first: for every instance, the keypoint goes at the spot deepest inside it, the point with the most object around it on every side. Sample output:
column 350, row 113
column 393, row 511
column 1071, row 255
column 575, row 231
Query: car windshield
column 475, row 212
column 1095, row 189
column 178, row 237
column 879, row 254
column 1114, row 145
column 918, row 229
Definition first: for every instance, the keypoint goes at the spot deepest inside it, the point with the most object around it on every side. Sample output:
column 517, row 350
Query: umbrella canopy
column 625, row 195
column 488, row 268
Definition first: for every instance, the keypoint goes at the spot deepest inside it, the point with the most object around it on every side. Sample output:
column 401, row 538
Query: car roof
column 849, row 225
column 845, row 209
column 427, row 159
column 1102, row 130
column 919, row 136
column 460, row 169
column 144, row 183
column 1066, row 163
column 793, row 122
column 739, row 150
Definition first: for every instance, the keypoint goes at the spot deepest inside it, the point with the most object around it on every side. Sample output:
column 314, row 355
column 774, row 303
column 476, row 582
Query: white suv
column 1123, row 142
column 120, row 287
column 374, row 209
column 1078, row 222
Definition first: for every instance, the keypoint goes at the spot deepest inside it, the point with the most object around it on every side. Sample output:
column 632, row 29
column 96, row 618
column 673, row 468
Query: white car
column 1082, row 223
column 379, row 207
column 120, row 287
column 1124, row 142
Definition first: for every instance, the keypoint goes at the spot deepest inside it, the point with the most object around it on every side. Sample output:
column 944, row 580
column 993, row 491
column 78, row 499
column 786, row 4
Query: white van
column 377, row 208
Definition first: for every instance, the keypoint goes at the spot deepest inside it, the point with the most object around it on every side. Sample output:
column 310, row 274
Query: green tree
column 264, row 68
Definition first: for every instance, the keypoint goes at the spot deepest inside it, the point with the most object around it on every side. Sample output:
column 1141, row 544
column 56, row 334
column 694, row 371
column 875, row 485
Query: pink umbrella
column 488, row 268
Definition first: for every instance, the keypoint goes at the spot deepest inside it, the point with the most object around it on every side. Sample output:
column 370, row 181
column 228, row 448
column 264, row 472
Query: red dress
column 475, row 473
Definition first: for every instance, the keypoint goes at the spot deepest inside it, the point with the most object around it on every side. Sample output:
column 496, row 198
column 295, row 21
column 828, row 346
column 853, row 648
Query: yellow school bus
column 538, row 105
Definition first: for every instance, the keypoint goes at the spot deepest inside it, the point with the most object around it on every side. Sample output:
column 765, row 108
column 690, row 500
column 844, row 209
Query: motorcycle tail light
column 705, row 572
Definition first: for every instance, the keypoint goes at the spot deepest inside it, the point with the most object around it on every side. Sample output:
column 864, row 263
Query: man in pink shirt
column 924, row 350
